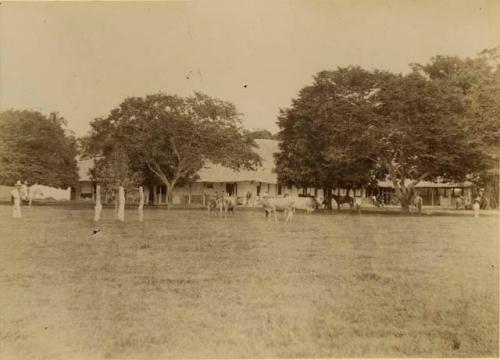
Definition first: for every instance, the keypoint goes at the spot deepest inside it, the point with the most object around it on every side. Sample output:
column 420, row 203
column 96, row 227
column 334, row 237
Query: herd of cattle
column 288, row 204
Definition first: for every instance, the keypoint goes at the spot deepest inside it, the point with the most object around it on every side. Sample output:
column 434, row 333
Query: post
column 121, row 203
column 98, row 205
column 141, row 203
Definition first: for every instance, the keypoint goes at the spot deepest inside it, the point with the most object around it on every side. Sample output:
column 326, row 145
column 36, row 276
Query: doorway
column 231, row 189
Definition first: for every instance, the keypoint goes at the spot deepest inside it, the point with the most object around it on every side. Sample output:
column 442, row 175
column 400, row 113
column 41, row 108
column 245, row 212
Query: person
column 24, row 191
column 419, row 201
column 16, row 199
column 32, row 191
column 357, row 203
column 476, row 206
column 376, row 201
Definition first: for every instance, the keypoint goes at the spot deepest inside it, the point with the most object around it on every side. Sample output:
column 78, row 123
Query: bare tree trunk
column 116, row 202
column 121, row 203
column 141, row 203
column 98, row 205
column 327, row 191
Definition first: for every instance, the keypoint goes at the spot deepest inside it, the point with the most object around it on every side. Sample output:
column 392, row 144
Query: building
column 443, row 194
column 246, row 185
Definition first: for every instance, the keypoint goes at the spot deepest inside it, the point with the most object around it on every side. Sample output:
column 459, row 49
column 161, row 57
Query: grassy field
column 183, row 284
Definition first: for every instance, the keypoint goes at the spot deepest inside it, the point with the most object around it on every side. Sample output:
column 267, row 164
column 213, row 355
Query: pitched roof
column 265, row 173
column 426, row 184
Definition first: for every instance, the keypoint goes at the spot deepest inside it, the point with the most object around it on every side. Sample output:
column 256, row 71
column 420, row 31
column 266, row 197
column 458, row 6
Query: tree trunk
column 116, row 203
column 121, row 203
column 151, row 195
column 98, row 205
column 405, row 204
column 141, row 203
column 327, row 192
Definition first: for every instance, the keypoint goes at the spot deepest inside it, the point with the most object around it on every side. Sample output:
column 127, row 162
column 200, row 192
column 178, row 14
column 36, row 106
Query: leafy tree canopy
column 318, row 132
column 36, row 148
column 261, row 134
column 173, row 137
column 352, row 126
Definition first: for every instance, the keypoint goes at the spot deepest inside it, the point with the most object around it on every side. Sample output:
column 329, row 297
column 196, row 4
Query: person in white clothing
column 16, row 199
column 476, row 206
column 24, row 191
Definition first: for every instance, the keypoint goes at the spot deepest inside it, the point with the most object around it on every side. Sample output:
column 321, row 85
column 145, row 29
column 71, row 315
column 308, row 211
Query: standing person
column 31, row 193
column 16, row 198
column 419, row 200
column 476, row 206
column 24, row 191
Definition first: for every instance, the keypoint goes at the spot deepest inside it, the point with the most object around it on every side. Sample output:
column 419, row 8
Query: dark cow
column 212, row 205
column 341, row 200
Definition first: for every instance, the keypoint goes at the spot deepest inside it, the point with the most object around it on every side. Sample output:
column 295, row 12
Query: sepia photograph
column 249, row 179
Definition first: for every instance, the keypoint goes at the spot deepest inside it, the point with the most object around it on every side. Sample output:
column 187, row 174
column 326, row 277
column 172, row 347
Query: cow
column 341, row 200
column 212, row 205
column 226, row 203
column 308, row 203
column 271, row 204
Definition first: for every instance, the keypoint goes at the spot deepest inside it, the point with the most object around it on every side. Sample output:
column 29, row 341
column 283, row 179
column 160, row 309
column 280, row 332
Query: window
column 279, row 189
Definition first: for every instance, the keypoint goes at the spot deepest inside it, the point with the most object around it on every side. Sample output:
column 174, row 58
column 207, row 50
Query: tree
column 112, row 164
column 417, row 132
column 36, row 148
column 260, row 134
column 319, row 133
column 478, row 79
column 174, row 137
column 353, row 126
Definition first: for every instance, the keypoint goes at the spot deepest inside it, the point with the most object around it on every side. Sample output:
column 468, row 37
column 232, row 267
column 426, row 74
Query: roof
column 265, row 173
column 426, row 184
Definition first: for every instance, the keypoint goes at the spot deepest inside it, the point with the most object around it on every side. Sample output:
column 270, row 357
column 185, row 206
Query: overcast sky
column 83, row 59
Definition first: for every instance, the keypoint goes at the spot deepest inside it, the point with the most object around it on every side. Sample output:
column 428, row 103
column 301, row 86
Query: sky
column 83, row 59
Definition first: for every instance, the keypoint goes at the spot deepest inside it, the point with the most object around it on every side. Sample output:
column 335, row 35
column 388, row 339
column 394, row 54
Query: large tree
column 320, row 133
column 478, row 81
column 174, row 137
column 36, row 148
column 417, row 133
column 352, row 126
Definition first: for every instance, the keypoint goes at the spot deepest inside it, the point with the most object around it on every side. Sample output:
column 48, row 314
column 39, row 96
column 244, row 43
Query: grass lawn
column 183, row 284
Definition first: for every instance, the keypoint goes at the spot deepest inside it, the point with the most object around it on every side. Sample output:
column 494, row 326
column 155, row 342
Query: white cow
column 309, row 204
column 227, row 203
column 271, row 204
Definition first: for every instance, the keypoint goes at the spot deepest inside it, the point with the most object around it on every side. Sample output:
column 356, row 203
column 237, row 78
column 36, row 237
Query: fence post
column 141, row 203
column 98, row 205
column 121, row 203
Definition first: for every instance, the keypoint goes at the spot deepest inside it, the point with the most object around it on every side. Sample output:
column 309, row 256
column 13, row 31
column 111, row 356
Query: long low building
column 213, row 178
column 248, row 184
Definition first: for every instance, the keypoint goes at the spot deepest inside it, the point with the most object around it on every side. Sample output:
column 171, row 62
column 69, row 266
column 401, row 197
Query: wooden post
column 98, row 205
column 141, row 203
column 121, row 203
